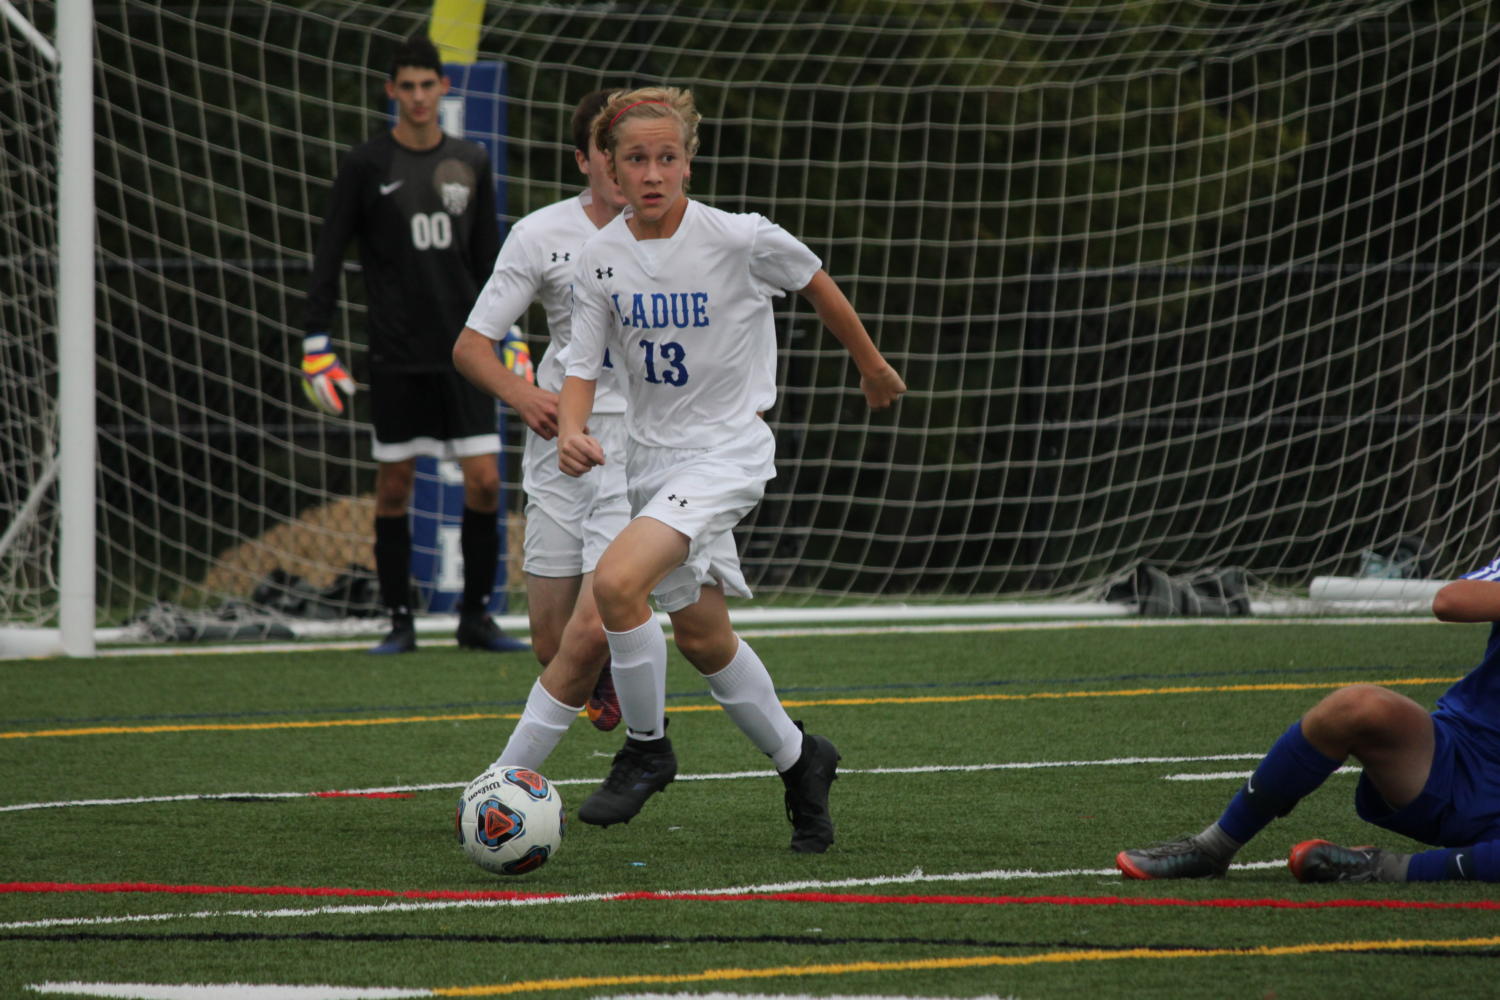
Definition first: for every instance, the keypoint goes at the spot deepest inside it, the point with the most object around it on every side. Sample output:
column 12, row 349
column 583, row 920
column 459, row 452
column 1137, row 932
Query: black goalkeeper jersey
column 427, row 232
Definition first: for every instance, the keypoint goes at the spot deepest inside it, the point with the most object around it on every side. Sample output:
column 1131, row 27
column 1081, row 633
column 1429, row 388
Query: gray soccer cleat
column 1183, row 858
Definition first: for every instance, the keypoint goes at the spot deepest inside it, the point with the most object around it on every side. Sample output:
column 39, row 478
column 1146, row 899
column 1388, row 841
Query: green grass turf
column 889, row 701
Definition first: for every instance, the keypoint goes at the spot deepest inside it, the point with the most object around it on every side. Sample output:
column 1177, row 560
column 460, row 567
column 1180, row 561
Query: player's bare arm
column 1468, row 601
column 577, row 451
column 474, row 357
column 881, row 384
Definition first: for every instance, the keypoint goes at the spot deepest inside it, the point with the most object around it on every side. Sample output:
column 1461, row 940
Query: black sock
column 479, row 538
column 393, row 565
column 659, row 744
column 796, row 771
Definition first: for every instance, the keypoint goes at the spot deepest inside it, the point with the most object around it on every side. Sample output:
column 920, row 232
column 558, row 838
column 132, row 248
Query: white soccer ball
column 510, row 820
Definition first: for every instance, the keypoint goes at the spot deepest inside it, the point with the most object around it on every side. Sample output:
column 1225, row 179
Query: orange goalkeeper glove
column 322, row 374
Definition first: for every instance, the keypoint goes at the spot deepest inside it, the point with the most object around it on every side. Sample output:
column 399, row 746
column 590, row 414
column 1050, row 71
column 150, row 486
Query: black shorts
column 430, row 413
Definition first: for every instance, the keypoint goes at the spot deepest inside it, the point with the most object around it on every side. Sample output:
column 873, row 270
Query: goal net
column 1184, row 283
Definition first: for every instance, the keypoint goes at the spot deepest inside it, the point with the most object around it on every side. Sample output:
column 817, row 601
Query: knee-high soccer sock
column 543, row 723
column 1477, row 863
column 1290, row 770
column 638, row 661
column 479, row 538
column 745, row 690
column 393, row 565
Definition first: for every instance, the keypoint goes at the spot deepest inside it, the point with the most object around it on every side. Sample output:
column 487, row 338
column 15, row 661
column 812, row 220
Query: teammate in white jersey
column 569, row 521
column 678, row 296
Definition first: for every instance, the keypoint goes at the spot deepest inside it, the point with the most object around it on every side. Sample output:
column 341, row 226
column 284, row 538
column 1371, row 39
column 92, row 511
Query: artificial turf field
column 164, row 820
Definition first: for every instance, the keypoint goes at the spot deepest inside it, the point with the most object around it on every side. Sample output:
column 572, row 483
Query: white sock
column 638, row 661
column 745, row 690
column 542, row 725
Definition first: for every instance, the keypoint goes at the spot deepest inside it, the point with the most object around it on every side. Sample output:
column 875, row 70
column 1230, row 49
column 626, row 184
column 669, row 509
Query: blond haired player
column 678, row 297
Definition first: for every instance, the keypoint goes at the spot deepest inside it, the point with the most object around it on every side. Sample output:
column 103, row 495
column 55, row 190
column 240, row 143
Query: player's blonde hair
column 647, row 103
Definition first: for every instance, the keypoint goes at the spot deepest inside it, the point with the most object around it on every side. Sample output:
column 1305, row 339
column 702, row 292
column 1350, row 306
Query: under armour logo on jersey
column 604, row 272
column 679, row 501
column 556, row 256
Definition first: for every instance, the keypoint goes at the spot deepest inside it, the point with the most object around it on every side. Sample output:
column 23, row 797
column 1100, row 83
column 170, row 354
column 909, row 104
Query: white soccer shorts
column 703, row 494
column 571, row 521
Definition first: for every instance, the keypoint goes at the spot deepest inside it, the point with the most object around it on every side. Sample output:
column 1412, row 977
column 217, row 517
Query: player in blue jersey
column 1431, row 776
column 675, row 298
column 422, row 206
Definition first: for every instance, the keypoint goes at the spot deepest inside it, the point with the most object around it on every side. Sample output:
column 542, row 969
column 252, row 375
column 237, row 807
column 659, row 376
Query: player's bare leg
column 1388, row 733
column 549, row 605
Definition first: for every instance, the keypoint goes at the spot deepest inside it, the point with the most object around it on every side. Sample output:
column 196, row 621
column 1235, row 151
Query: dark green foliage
column 1188, row 283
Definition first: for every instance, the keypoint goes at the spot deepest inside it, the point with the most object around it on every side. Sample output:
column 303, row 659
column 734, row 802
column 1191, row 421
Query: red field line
column 1277, row 904
column 779, row 897
column 361, row 795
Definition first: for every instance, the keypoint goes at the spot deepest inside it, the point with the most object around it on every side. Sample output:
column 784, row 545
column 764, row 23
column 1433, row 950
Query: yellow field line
column 225, row 727
column 977, row 961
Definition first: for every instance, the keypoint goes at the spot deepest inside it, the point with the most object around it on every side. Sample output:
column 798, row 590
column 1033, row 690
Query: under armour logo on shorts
column 604, row 272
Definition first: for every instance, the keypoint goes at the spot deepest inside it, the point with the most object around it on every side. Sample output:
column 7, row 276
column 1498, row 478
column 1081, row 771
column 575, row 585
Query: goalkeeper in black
column 421, row 204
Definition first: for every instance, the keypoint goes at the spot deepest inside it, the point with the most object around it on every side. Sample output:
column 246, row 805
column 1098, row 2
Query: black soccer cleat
column 1182, row 858
column 481, row 632
column 400, row 639
column 637, row 774
column 807, row 783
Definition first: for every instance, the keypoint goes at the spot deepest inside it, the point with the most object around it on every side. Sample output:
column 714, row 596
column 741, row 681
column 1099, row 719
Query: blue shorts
column 1459, row 805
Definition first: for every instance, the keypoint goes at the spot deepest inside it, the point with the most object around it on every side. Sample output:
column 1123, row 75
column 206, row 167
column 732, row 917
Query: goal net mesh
column 1185, row 283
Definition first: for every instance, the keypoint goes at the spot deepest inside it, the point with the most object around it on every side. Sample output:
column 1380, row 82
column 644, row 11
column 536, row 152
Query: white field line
column 517, row 625
column 916, row 876
column 723, row 776
column 1238, row 775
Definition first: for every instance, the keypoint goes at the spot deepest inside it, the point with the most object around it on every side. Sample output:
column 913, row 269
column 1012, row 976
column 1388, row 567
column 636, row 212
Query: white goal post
column 1178, row 283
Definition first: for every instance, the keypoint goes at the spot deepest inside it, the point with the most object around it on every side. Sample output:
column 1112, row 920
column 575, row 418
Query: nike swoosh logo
column 393, row 185
column 1250, row 785
column 1458, row 859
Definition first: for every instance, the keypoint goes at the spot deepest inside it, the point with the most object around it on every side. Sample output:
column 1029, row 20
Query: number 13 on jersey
column 664, row 362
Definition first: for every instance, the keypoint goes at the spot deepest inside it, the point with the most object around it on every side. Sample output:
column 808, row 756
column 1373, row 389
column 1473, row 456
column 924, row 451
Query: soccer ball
column 510, row 820
column 515, row 354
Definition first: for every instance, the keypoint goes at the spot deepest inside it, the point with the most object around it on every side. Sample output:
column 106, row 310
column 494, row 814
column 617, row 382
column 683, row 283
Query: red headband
column 628, row 107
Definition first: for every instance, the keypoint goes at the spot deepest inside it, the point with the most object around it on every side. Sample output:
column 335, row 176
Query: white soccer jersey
column 687, row 322
column 537, row 262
